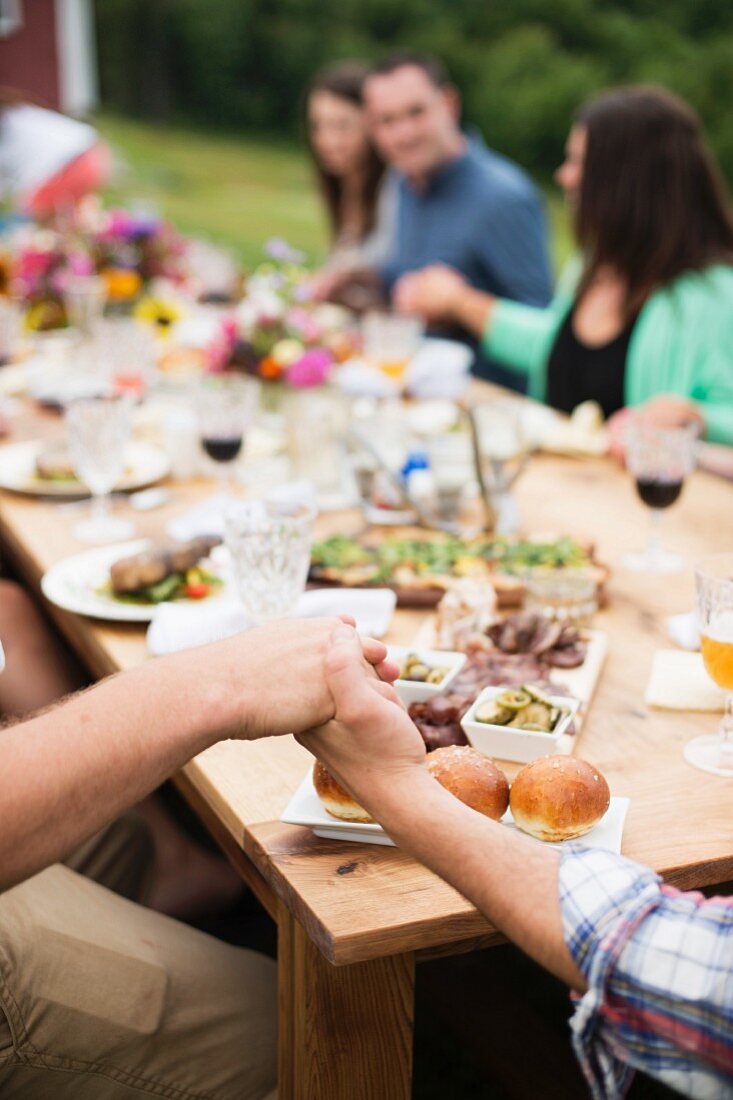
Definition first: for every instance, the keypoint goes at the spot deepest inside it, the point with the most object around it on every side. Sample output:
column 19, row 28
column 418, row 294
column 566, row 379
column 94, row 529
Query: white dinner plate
column 144, row 465
column 73, row 584
column 306, row 808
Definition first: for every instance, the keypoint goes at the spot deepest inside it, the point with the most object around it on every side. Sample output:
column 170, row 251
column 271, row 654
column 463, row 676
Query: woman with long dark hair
column 646, row 317
column 350, row 173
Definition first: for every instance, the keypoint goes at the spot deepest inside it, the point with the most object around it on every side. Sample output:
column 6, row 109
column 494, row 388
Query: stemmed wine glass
column 98, row 429
column 659, row 460
column 269, row 544
column 714, row 586
column 227, row 406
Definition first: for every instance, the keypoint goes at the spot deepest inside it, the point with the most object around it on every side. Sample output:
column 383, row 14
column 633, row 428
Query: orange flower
column 270, row 369
column 122, row 283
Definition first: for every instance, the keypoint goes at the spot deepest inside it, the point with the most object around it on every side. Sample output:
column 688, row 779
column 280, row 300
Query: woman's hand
column 665, row 411
column 434, row 293
column 670, row 411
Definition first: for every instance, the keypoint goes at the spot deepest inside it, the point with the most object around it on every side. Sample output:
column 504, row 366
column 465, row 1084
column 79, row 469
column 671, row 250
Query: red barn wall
column 28, row 58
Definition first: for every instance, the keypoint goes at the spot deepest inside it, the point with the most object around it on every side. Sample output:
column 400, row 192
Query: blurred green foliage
column 523, row 66
column 236, row 191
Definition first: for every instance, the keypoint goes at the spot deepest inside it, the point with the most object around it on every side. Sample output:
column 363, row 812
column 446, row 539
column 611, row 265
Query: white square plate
column 306, row 808
column 508, row 743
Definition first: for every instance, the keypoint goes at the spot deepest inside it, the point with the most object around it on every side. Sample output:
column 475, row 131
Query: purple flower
column 312, row 369
column 280, row 251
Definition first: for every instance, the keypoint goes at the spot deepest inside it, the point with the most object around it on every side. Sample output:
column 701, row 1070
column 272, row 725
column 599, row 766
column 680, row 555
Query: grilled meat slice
column 141, row 570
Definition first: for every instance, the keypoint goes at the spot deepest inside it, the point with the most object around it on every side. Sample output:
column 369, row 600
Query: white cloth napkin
column 177, row 626
column 356, row 378
column 206, row 518
column 678, row 681
column 683, row 630
column 440, row 369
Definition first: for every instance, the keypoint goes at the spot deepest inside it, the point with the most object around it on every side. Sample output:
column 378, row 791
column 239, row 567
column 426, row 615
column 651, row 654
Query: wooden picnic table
column 354, row 919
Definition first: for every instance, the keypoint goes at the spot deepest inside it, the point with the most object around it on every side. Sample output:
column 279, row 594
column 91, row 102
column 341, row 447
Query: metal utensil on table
column 394, row 480
column 489, row 510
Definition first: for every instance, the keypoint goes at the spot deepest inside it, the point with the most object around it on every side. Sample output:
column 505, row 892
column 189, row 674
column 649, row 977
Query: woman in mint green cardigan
column 647, row 318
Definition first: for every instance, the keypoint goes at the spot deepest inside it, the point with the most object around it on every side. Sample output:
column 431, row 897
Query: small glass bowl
column 567, row 596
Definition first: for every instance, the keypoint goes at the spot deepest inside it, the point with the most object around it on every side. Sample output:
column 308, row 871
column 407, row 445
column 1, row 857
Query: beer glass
column 714, row 585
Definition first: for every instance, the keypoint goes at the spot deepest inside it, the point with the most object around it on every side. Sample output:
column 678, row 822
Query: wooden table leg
column 345, row 1031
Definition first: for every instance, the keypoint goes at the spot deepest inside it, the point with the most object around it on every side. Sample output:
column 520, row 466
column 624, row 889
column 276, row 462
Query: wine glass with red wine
column 659, row 460
column 227, row 407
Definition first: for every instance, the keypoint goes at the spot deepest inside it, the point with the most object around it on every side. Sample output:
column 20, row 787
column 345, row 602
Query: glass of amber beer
column 714, row 584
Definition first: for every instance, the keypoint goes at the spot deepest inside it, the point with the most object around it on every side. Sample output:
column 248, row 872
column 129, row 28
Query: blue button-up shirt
column 482, row 215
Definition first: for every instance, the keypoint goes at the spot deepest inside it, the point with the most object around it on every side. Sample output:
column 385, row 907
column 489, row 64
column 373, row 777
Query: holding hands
column 274, row 680
column 371, row 746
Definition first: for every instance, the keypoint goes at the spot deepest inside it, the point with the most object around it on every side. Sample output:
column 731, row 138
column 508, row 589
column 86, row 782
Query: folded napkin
column 356, row 378
column 439, row 369
column 207, row 517
column 683, row 630
column 678, row 681
column 177, row 626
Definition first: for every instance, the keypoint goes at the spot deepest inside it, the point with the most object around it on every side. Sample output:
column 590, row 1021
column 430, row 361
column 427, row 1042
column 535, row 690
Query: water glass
column 125, row 352
column 269, row 545
column 98, row 430
column 11, row 324
column 391, row 340
column 84, row 298
column 316, row 422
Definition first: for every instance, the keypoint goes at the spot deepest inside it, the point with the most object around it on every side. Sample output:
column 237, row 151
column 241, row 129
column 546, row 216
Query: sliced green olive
column 537, row 695
column 418, row 672
column 536, row 716
column 436, row 675
column 514, row 700
column 491, row 712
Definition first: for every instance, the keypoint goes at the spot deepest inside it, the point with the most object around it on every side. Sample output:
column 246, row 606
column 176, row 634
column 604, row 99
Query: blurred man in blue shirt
column 458, row 202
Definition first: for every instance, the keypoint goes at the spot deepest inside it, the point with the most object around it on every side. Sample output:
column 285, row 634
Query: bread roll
column 558, row 798
column 471, row 777
column 336, row 801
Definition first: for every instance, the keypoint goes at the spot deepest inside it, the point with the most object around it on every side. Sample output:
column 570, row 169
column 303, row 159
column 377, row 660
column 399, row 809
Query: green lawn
column 237, row 191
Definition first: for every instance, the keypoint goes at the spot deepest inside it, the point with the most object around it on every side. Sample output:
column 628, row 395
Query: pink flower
column 219, row 352
column 312, row 369
column 81, row 264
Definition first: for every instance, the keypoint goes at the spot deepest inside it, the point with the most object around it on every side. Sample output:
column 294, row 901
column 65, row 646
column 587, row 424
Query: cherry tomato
column 197, row 591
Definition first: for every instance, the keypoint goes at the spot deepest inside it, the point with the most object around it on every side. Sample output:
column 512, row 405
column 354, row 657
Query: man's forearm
column 511, row 878
column 72, row 769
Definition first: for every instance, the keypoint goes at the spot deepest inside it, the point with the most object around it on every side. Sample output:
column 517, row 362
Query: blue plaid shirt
column 659, row 968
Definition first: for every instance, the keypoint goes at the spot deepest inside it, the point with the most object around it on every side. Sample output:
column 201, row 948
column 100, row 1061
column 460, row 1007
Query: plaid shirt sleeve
column 659, row 968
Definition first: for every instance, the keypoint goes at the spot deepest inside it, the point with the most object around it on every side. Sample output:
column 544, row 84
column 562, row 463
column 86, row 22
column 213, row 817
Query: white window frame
column 11, row 17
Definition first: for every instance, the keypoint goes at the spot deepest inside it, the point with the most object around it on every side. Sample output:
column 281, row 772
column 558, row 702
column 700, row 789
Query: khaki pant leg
column 105, row 1000
column 119, row 857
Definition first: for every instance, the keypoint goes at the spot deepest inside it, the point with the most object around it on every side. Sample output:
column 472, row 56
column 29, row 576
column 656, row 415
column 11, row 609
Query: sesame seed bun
column 471, row 777
column 558, row 798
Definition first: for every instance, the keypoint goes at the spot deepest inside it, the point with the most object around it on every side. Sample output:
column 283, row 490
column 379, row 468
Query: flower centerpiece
column 129, row 251
column 276, row 333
